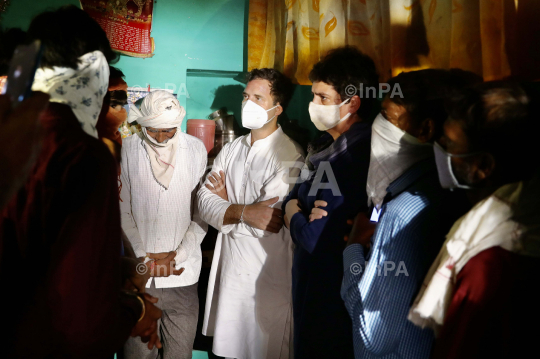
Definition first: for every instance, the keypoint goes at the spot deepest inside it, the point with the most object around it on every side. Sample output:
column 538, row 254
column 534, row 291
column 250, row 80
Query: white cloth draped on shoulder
column 489, row 224
column 249, row 304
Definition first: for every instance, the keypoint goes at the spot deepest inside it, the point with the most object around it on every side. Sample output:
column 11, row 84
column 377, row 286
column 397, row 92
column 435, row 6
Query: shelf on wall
column 235, row 75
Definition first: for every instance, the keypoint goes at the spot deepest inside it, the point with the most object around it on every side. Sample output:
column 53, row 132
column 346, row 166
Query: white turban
column 159, row 109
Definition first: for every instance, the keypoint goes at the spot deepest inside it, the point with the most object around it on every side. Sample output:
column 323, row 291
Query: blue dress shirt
column 379, row 290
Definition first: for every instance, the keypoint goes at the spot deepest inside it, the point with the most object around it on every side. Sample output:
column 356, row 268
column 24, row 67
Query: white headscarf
column 83, row 89
column 489, row 224
column 393, row 151
column 160, row 109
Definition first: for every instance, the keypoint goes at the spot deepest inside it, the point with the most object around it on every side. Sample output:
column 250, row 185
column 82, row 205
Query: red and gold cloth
column 128, row 24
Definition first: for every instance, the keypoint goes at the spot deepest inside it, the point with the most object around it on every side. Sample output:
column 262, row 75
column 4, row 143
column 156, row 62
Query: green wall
column 190, row 35
column 21, row 12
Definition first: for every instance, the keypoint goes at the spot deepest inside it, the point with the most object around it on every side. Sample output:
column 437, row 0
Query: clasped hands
column 162, row 264
column 137, row 273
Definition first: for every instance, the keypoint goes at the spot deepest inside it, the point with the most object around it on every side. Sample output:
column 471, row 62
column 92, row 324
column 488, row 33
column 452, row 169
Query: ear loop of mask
column 450, row 167
column 270, row 109
column 450, row 155
column 348, row 114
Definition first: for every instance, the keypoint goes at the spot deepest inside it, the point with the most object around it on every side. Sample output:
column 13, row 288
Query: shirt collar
column 410, row 176
column 265, row 142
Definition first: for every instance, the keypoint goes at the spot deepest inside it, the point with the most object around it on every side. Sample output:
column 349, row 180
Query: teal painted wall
column 190, row 34
column 208, row 94
column 21, row 12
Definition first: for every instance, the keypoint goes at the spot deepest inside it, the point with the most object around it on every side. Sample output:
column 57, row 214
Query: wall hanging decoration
column 128, row 24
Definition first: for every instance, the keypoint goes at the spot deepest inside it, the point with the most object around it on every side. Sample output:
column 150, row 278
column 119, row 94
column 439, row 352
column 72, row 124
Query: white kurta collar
column 267, row 141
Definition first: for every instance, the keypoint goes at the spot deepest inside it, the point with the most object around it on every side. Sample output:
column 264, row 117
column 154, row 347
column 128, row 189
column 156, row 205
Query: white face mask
column 155, row 142
column 255, row 116
column 443, row 160
column 326, row 117
column 393, row 151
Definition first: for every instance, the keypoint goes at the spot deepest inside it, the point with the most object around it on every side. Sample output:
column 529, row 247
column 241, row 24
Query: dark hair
column 117, row 97
column 68, row 33
column 281, row 87
column 424, row 93
column 9, row 40
column 115, row 73
column 344, row 67
column 497, row 118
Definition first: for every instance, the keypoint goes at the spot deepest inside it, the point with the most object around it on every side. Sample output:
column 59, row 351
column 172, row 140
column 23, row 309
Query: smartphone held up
column 23, row 66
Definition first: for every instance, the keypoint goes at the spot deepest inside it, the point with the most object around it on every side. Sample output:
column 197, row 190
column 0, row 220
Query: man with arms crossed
column 248, row 306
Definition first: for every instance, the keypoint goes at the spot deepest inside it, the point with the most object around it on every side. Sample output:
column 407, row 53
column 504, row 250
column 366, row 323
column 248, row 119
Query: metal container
column 224, row 130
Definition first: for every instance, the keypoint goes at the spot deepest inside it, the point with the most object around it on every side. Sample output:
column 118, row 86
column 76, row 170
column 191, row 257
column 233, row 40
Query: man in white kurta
column 161, row 171
column 249, row 302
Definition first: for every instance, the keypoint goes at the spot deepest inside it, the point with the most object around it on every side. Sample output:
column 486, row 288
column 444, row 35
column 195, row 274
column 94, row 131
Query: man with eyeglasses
column 479, row 292
column 160, row 171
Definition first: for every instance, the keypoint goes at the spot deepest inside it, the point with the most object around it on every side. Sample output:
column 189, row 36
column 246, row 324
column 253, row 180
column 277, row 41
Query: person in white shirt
column 160, row 172
column 249, row 304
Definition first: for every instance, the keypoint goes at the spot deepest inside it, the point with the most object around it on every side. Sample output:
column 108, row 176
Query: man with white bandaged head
column 161, row 171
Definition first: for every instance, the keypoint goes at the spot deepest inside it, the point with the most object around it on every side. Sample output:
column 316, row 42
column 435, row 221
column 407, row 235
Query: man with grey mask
column 413, row 212
column 160, row 171
column 480, row 293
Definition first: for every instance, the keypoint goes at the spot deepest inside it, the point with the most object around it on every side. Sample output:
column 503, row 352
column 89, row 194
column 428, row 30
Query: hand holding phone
column 22, row 69
column 20, row 138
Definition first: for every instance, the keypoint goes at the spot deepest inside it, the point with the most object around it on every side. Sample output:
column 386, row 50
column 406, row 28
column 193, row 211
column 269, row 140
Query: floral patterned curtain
column 399, row 35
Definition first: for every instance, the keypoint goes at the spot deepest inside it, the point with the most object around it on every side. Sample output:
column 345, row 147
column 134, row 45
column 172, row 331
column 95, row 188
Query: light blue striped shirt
column 378, row 291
